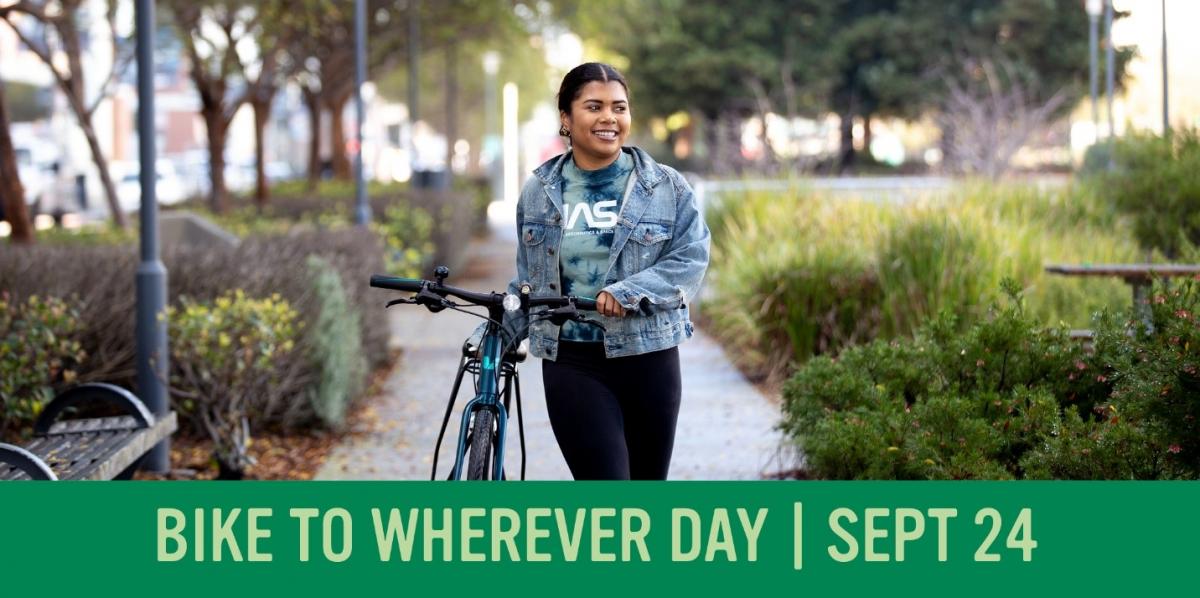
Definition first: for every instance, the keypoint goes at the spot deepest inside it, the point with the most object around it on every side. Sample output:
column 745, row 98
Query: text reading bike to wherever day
column 596, row 534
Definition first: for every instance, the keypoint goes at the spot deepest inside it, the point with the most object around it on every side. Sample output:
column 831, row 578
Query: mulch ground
column 294, row 455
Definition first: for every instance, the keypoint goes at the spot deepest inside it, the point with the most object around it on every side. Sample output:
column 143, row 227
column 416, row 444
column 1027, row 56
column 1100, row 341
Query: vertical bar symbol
column 798, row 536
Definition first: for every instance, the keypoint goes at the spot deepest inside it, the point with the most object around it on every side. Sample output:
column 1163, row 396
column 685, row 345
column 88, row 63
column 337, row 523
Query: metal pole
column 362, row 210
column 414, row 59
column 1094, row 70
column 151, row 274
column 1109, row 77
column 1166, row 95
column 491, row 118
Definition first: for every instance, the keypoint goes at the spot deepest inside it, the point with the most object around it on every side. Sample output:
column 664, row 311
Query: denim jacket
column 658, row 257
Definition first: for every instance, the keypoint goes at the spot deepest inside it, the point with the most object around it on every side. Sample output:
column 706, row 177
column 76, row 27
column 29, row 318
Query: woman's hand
column 607, row 305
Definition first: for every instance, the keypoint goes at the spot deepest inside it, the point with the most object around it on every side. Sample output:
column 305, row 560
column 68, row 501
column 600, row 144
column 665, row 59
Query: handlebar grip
column 396, row 284
column 585, row 304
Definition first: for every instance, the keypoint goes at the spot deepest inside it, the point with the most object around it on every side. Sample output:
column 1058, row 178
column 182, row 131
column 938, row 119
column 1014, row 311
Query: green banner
column 555, row 538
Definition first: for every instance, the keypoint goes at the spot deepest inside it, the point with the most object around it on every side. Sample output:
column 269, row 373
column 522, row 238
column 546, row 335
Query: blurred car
column 33, row 178
column 126, row 175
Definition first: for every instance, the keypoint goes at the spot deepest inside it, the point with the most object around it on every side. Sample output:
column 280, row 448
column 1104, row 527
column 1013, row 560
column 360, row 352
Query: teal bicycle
column 492, row 363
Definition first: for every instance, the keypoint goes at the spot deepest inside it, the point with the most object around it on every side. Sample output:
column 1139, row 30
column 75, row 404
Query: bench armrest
column 26, row 461
column 86, row 394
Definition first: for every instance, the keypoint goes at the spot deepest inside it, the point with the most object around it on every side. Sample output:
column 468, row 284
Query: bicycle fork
column 487, row 397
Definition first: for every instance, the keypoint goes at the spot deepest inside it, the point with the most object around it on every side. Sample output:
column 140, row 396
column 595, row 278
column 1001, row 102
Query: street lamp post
column 491, row 66
column 362, row 211
column 1093, row 8
column 151, row 353
column 1109, row 77
column 1166, row 97
column 414, row 79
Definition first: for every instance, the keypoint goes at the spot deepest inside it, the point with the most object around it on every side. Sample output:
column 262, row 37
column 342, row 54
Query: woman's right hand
column 607, row 305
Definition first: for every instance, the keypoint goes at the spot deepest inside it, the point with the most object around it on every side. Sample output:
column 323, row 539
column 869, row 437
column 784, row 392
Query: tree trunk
column 341, row 162
column 218, row 195
column 110, row 189
column 867, row 134
column 846, row 152
column 262, row 113
column 313, row 102
column 451, row 108
column 12, row 194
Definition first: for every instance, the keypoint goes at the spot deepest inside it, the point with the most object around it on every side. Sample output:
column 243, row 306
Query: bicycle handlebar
column 414, row 285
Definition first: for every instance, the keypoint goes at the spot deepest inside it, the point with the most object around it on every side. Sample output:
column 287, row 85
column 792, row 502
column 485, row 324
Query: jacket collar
column 649, row 173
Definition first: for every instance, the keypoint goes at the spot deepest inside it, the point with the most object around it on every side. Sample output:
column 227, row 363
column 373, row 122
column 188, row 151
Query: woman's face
column 599, row 123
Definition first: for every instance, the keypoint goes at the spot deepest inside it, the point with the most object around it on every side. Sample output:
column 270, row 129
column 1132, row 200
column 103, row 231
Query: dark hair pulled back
column 582, row 75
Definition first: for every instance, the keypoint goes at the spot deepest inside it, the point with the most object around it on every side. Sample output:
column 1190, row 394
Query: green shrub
column 407, row 236
column 39, row 354
column 335, row 343
column 797, row 275
column 223, row 356
column 1007, row 398
column 261, row 266
column 1156, row 180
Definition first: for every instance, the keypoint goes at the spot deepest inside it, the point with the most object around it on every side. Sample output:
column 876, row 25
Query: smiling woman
column 595, row 117
column 604, row 220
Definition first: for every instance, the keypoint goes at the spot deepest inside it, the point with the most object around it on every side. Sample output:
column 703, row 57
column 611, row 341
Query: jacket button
column 550, row 251
column 553, row 286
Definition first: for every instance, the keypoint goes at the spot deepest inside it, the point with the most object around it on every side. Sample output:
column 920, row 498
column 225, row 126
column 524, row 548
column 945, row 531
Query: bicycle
column 483, row 429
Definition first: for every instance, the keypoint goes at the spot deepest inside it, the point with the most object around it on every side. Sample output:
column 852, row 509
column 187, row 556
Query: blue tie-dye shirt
column 591, row 204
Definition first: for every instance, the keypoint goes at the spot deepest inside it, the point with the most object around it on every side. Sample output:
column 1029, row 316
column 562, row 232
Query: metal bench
column 1138, row 276
column 94, row 448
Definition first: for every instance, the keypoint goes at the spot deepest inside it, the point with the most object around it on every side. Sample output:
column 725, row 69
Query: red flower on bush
column 1174, row 449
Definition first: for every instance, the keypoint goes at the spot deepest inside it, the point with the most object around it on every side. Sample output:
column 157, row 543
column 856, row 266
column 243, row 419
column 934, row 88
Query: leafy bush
column 406, row 234
column 1156, row 180
column 1007, row 398
column 101, row 277
column 223, row 356
column 335, row 342
column 797, row 275
column 39, row 354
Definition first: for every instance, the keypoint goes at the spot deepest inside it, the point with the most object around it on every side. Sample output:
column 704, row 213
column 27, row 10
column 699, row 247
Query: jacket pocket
column 647, row 242
column 533, row 238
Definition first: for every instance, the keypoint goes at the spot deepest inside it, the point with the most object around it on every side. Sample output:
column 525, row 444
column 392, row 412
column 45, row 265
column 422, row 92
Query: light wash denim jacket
column 658, row 257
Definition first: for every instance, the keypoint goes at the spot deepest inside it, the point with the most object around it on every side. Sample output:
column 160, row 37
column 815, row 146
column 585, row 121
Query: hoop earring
column 563, row 132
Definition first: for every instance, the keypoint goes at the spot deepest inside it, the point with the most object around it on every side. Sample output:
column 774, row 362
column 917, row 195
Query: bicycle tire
column 480, row 455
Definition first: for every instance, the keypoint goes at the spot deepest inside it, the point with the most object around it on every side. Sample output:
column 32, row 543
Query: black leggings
column 614, row 418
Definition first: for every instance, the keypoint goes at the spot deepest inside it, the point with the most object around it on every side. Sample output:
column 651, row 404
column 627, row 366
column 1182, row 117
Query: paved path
column 726, row 427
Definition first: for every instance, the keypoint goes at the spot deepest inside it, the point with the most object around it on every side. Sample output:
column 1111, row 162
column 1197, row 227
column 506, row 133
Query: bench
column 91, row 448
column 1138, row 276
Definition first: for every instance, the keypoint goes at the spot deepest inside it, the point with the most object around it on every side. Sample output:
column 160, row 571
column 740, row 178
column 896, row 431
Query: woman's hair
column 582, row 75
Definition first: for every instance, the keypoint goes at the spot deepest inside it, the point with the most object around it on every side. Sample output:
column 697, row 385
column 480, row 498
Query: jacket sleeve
column 515, row 323
column 675, row 278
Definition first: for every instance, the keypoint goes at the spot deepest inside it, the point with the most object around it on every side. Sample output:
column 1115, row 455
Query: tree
column 61, row 24
column 720, row 60
column 993, row 114
column 904, row 58
column 215, row 35
column 12, row 194
column 860, row 59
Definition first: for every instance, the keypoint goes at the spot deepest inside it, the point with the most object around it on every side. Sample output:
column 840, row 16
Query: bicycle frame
column 489, row 367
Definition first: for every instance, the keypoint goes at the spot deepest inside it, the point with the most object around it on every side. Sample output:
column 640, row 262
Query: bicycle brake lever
column 432, row 301
column 398, row 302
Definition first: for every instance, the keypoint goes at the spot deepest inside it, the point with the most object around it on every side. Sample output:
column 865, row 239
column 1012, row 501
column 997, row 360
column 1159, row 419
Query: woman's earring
column 563, row 132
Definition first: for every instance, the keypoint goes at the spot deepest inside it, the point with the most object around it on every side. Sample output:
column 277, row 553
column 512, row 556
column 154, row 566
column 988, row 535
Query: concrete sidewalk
column 726, row 427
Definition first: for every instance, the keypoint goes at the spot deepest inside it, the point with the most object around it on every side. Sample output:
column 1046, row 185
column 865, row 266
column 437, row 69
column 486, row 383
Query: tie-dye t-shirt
column 591, row 203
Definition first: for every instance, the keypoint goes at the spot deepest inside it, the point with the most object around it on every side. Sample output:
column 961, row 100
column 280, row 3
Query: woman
column 605, row 221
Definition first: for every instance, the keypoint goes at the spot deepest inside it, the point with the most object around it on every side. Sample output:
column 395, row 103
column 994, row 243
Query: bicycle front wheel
column 480, row 456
